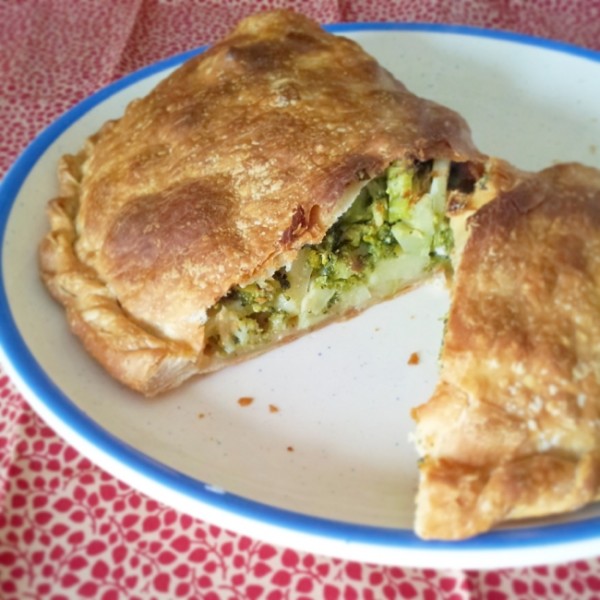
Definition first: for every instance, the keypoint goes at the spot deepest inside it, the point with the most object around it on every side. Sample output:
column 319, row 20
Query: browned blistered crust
column 217, row 177
column 513, row 427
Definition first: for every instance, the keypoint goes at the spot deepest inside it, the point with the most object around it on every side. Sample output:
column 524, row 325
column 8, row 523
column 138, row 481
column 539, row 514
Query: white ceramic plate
column 321, row 459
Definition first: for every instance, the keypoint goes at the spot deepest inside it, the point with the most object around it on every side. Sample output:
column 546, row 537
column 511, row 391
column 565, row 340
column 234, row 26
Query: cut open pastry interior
column 283, row 179
column 394, row 234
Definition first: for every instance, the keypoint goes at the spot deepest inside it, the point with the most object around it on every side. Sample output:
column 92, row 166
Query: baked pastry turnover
column 283, row 179
column 277, row 181
column 513, row 427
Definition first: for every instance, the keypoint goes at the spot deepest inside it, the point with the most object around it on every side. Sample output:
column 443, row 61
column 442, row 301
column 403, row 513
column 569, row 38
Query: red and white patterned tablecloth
column 70, row 530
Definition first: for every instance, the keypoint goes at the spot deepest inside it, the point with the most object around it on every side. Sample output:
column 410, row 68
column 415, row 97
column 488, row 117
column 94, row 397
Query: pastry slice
column 513, row 428
column 278, row 181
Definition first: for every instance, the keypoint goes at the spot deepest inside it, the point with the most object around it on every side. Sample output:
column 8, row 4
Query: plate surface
column 321, row 459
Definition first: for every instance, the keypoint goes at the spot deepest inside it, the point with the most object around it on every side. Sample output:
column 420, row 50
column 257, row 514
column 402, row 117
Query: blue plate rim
column 47, row 392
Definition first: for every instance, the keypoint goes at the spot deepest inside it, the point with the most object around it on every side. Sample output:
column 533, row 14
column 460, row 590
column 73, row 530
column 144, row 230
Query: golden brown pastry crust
column 513, row 427
column 217, row 177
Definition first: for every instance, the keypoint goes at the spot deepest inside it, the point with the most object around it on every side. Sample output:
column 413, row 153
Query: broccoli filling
column 394, row 232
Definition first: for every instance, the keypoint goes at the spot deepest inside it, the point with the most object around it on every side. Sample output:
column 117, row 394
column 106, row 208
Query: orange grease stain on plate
column 273, row 408
column 245, row 401
column 414, row 359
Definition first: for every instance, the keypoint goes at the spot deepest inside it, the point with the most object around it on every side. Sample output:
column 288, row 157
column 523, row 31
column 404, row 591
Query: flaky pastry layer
column 513, row 427
column 219, row 176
